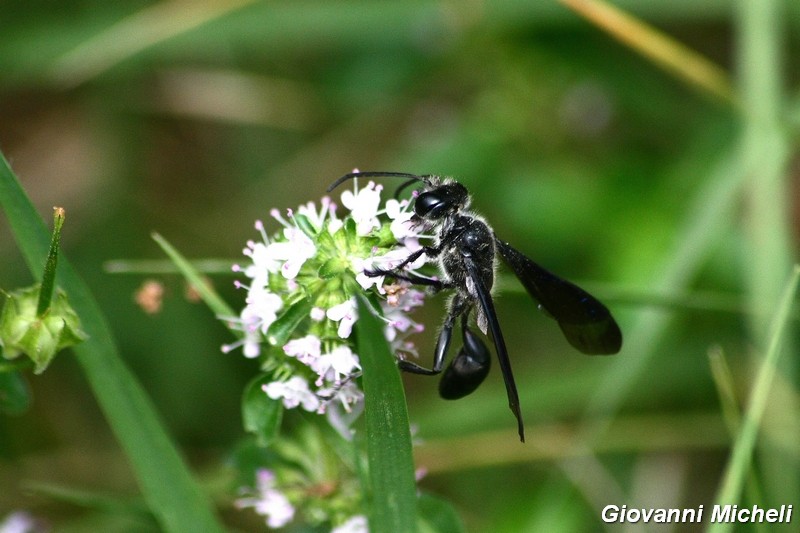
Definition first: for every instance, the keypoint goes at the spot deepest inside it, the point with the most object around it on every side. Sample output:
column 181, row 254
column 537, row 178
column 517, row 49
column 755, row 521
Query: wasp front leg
column 398, row 273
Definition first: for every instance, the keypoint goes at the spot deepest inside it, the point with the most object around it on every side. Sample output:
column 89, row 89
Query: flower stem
column 49, row 276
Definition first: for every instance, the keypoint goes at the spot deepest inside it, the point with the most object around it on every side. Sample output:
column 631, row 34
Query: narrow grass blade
column 768, row 150
column 723, row 380
column 393, row 499
column 664, row 51
column 168, row 487
column 133, row 34
column 741, row 456
column 206, row 292
column 141, row 267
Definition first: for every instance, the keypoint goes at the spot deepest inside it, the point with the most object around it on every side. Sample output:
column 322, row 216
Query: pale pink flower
column 268, row 501
column 293, row 392
column 305, row 349
column 355, row 524
column 363, row 206
column 345, row 314
column 336, row 365
column 297, row 248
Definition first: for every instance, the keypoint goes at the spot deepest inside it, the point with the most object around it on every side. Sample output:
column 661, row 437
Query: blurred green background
column 195, row 118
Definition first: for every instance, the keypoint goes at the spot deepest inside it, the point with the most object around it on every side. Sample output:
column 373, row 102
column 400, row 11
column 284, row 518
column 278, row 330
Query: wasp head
column 440, row 201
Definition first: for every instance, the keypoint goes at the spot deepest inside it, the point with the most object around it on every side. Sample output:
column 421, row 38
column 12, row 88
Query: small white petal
column 344, row 313
column 339, row 311
column 19, row 522
column 336, row 365
column 356, row 524
column 293, row 392
column 269, row 501
column 306, row 349
column 364, row 207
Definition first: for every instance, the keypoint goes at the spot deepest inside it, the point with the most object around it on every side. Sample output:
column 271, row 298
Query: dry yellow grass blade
column 666, row 52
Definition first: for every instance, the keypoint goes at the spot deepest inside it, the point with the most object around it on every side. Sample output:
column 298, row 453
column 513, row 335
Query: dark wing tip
column 598, row 338
column 585, row 321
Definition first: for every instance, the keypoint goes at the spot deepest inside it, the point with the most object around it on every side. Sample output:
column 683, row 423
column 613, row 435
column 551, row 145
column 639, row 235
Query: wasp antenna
column 405, row 185
column 378, row 174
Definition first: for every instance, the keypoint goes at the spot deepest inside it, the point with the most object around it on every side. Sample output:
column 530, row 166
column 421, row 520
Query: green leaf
column 168, row 487
column 261, row 414
column 280, row 330
column 438, row 515
column 393, row 500
column 305, row 225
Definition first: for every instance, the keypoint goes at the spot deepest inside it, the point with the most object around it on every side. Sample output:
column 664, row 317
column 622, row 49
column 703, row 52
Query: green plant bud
column 38, row 337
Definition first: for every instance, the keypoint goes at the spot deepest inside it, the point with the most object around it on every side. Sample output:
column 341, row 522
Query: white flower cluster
column 315, row 265
column 268, row 501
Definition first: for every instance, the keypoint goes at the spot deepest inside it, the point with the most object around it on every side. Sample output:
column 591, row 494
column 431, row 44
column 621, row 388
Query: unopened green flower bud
column 22, row 331
column 35, row 323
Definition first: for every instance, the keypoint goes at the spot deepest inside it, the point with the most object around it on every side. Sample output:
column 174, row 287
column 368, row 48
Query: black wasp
column 465, row 248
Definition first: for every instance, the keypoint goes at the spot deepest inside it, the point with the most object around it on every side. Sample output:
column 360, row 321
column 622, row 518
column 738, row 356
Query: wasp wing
column 487, row 307
column 586, row 323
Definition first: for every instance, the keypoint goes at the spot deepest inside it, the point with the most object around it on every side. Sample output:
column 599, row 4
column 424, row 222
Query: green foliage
column 741, row 455
column 280, row 330
column 173, row 496
column 392, row 490
column 261, row 415
column 438, row 515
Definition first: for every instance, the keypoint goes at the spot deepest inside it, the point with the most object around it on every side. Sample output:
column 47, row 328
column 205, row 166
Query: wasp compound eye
column 467, row 370
column 431, row 205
